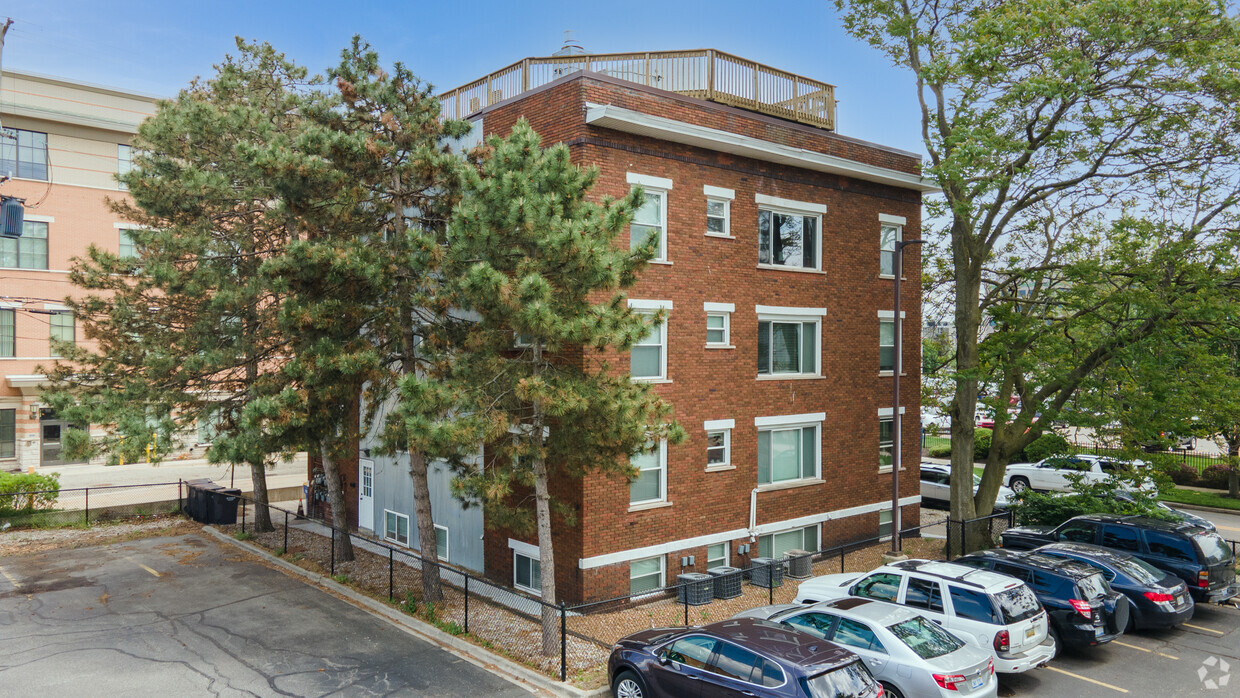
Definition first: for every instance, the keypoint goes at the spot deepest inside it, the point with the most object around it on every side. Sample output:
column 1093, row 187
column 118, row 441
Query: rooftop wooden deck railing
column 703, row 73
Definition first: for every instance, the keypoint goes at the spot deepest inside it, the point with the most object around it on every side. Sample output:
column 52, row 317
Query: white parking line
column 12, row 580
column 1143, row 649
column 1198, row 627
column 1086, row 678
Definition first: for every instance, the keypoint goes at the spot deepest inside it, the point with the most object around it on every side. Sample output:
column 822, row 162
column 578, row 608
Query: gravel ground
column 37, row 540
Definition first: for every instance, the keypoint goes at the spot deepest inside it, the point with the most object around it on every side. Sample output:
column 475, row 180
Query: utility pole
column 897, row 425
column 8, row 22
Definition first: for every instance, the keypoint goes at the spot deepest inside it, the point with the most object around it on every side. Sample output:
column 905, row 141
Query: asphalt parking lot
column 184, row 616
column 1198, row 658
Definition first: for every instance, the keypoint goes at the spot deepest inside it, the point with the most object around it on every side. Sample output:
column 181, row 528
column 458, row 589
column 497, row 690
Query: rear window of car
column 1169, row 545
column 1091, row 587
column 849, row 681
column 1140, row 570
column 973, row 605
column 1017, row 604
column 1213, row 547
column 925, row 638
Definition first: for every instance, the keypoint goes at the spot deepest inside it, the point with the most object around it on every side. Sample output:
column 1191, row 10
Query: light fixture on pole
column 896, row 427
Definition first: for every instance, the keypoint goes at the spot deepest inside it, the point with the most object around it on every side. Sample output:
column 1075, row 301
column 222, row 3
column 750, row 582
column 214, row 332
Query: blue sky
column 157, row 47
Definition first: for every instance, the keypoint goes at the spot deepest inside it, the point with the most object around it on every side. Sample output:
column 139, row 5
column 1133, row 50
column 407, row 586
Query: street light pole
column 896, row 426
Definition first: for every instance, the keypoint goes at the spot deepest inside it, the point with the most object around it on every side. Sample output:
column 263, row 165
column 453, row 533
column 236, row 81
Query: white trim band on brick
column 718, row 192
column 589, row 563
column 793, row 204
column 785, row 419
column 717, row 424
column 890, row 314
column 781, row 310
column 719, row 307
column 648, row 181
column 630, row 121
column 530, row 551
column 640, row 304
column 886, row 411
column 893, row 220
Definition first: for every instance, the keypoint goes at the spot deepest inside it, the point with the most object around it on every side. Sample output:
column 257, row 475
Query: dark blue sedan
column 1159, row 599
column 733, row 659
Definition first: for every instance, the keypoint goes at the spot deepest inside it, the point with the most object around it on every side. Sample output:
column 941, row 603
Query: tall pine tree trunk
column 262, row 513
column 335, row 496
column 418, row 473
column 542, row 512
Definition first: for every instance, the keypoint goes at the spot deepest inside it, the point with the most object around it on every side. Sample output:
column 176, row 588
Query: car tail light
column 948, row 681
column 1203, row 579
column 1003, row 641
column 1082, row 607
column 1158, row 597
column 880, row 691
column 991, row 662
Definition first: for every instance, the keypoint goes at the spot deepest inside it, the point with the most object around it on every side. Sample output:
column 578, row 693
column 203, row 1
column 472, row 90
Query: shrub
column 28, row 492
column 1214, row 476
column 981, row 444
column 1182, row 474
column 1045, row 446
column 1052, row 509
column 941, row 452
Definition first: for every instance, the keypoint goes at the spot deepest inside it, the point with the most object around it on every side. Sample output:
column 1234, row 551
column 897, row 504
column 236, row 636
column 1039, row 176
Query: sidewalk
column 290, row 474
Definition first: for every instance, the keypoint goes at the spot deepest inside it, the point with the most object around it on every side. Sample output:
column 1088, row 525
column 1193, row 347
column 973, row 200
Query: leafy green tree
column 188, row 330
column 1035, row 115
column 534, row 268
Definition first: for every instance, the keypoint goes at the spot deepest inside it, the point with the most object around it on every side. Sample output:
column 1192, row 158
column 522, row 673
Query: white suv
column 990, row 611
column 1052, row 473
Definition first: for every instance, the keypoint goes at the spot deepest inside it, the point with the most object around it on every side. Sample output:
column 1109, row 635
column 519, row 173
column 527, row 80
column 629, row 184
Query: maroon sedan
column 736, row 658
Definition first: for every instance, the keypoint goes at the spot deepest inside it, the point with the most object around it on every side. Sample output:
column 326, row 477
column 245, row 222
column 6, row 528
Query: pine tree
column 188, row 330
column 533, row 266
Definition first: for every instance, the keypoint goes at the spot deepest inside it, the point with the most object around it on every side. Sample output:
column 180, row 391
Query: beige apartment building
column 63, row 144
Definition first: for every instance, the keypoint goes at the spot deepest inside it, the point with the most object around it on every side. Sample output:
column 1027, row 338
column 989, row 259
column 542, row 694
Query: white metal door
column 366, row 494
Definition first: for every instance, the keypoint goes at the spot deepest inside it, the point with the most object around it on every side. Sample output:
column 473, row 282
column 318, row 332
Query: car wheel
column 1019, row 484
column 1131, row 627
column 628, row 685
column 890, row 691
column 1055, row 636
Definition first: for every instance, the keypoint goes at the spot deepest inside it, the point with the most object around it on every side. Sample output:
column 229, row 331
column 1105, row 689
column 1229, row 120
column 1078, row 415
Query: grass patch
column 342, row 578
column 243, row 535
column 1204, row 499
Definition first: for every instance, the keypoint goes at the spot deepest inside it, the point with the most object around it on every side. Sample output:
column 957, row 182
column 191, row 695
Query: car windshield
column 1140, row 570
column 1091, row 587
column 977, row 481
column 1212, row 547
column 1018, row 603
column 849, row 681
column 925, row 638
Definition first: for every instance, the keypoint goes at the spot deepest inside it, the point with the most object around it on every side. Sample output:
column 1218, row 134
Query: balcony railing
column 704, row 74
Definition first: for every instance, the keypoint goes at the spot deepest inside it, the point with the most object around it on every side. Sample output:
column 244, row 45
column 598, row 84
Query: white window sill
column 780, row 267
column 661, row 261
column 527, row 590
column 791, row 484
column 788, row 377
column 887, row 468
column 891, row 277
column 647, row 506
column 887, row 374
column 41, row 271
column 655, row 381
column 719, row 468
column 721, row 236
column 720, row 346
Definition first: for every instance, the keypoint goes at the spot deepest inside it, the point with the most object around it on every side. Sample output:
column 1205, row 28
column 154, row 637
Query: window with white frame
column 718, row 211
column 8, row 332
column 23, row 154
column 28, row 251
column 8, row 433
column 789, row 233
column 788, row 341
column 884, row 522
column 127, row 249
column 396, row 527
column 526, row 572
column 718, row 324
column 886, row 344
column 648, row 356
column 716, row 556
column 441, row 542
column 651, row 483
column 719, row 443
column 646, row 575
column 776, row 545
column 788, row 447
column 890, row 231
column 650, row 220
column 885, row 442
column 61, row 330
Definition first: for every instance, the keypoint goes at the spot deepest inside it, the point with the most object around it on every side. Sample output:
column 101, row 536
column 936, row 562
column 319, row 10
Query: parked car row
column 936, row 487
column 1051, row 474
column 933, row 628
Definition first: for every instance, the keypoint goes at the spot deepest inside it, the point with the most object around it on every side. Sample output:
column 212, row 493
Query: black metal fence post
column 770, row 582
column 563, row 643
column 841, row 561
column 180, row 506
column 286, row 531
column 390, row 592
column 243, row 516
column 88, row 506
column 684, row 596
column 466, row 604
column 333, row 552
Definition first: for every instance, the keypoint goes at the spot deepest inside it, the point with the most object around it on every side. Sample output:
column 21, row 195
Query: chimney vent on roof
column 571, row 47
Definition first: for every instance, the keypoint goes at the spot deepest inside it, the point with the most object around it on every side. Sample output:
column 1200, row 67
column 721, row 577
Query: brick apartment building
column 775, row 269
column 64, row 143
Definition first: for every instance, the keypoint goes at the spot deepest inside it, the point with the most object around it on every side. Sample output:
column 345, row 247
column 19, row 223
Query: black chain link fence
column 87, row 505
column 966, row 536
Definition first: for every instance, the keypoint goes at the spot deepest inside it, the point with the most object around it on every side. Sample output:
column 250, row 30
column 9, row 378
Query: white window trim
column 526, row 549
column 801, row 529
column 718, row 192
column 727, row 444
column 648, row 181
column 652, row 306
column 723, row 310
column 724, row 196
column 880, row 518
column 717, row 424
column 399, row 516
column 447, row 543
column 892, row 220
column 659, row 186
column 886, row 411
column 662, row 575
column 518, row 585
column 769, row 313
column 889, row 315
column 797, row 481
column 888, row 418
column 727, row 554
column 638, row 304
column 790, row 205
column 662, row 499
column 899, row 223
column 791, row 420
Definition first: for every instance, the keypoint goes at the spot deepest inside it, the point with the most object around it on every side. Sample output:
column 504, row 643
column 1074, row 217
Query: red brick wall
column 720, row 383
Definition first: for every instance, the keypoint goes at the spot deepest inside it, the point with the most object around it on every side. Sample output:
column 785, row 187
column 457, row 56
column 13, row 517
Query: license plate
column 977, row 682
column 1179, row 599
column 1030, row 631
column 1097, row 630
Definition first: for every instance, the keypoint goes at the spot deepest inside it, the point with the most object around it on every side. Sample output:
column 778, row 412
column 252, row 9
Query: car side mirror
column 663, row 658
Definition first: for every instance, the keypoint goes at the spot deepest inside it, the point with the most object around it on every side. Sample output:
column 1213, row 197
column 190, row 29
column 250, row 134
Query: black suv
column 1200, row 557
column 1082, row 607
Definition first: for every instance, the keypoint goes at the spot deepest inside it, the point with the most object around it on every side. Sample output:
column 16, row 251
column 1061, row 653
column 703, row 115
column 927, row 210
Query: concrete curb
column 1198, row 507
column 527, row 678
